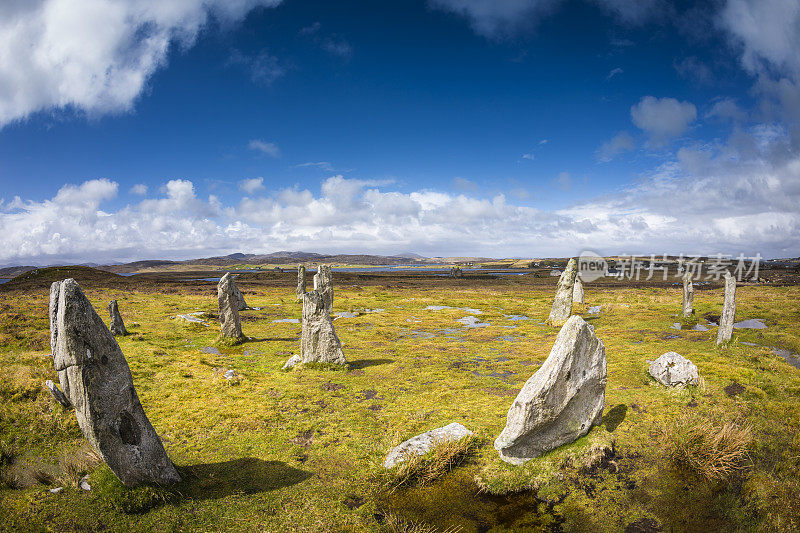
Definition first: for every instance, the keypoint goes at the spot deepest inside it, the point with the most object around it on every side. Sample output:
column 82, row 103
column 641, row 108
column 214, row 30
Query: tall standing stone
column 117, row 325
column 688, row 295
column 577, row 291
column 562, row 303
column 318, row 340
column 301, row 282
column 241, row 305
column 561, row 401
column 229, row 308
column 323, row 283
column 728, row 310
column 95, row 377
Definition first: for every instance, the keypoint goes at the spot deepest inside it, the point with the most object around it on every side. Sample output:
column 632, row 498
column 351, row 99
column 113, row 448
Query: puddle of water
column 210, row 349
column 752, row 323
column 286, row 321
column 472, row 322
column 192, row 318
column 791, row 358
column 699, row 327
column 454, row 503
column 750, row 344
column 345, row 314
column 443, row 307
column 595, row 310
column 517, row 317
column 503, row 359
column 676, row 325
column 673, row 337
column 376, row 310
column 507, row 338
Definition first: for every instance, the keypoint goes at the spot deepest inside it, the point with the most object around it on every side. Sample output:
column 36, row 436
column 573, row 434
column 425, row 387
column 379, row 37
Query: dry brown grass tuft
column 422, row 470
column 713, row 450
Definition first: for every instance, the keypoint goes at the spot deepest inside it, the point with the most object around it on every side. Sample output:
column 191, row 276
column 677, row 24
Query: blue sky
column 444, row 127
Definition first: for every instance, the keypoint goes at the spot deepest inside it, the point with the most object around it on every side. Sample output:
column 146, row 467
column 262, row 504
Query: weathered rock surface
column 561, row 401
column 421, row 444
column 230, row 324
column 562, row 303
column 293, row 360
column 728, row 316
column 688, row 295
column 674, row 370
column 577, row 291
column 323, row 283
column 95, row 377
column 56, row 393
column 318, row 340
column 117, row 325
column 241, row 304
column 301, row 282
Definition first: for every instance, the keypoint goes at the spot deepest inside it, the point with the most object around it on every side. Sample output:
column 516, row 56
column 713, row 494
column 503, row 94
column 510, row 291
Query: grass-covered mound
column 270, row 450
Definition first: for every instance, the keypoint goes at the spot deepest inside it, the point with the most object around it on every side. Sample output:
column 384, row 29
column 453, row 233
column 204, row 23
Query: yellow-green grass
column 286, row 451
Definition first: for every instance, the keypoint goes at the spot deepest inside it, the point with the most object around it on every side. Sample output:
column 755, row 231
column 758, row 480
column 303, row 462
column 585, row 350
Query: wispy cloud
column 619, row 143
column 614, row 72
column 322, row 165
column 139, row 189
column 264, row 69
column 269, row 148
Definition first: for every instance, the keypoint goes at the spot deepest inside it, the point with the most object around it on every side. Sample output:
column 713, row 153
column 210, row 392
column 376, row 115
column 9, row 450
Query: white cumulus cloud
column 269, row 148
column 251, row 185
column 94, row 56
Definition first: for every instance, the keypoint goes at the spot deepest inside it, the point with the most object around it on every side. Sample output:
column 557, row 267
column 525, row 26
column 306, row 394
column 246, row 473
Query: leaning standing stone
column 728, row 310
column 562, row 303
column 577, row 291
column 561, row 401
column 688, row 296
column 323, row 283
column 318, row 340
column 96, row 379
column 229, row 308
column 301, row 282
column 117, row 325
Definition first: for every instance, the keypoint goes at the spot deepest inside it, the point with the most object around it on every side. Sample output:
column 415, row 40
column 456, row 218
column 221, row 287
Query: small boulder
column 56, row 393
column 423, row 443
column 674, row 370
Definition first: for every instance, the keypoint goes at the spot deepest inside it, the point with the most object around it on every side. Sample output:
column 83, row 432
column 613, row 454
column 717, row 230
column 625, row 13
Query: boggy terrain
column 261, row 449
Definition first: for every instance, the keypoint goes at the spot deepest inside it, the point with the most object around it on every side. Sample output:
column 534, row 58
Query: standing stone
column 318, row 340
column 241, row 305
column 577, row 292
column 96, row 379
column 117, row 325
column 561, row 401
column 301, row 282
column 562, row 303
column 728, row 310
column 688, row 295
column 323, row 283
column 229, row 308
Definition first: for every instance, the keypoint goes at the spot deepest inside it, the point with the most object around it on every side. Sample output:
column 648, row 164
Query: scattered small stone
column 293, row 361
column 56, row 393
column 55, row 490
column 85, row 483
column 423, row 443
column 595, row 310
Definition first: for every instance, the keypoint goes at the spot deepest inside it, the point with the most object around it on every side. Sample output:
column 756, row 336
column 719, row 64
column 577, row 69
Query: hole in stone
column 128, row 429
column 104, row 360
column 568, row 375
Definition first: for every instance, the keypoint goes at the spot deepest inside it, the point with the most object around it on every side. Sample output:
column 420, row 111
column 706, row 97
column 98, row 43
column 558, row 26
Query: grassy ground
column 300, row 450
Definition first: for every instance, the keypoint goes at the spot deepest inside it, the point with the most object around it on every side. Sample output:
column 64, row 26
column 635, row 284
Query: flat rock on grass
column 425, row 442
column 674, row 370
